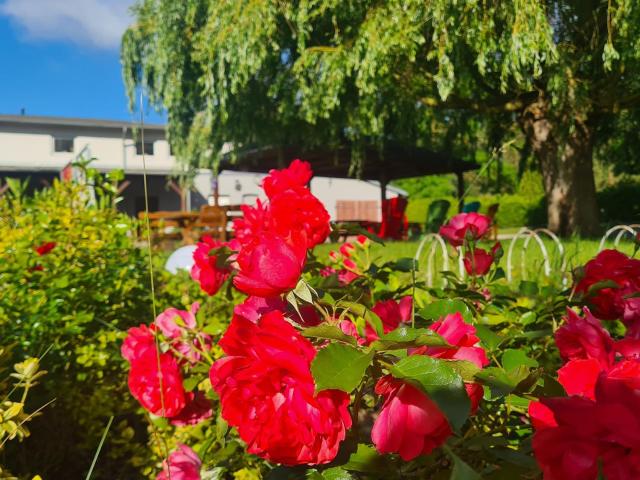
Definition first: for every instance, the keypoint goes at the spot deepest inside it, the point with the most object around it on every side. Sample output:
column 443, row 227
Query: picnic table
column 180, row 220
column 184, row 225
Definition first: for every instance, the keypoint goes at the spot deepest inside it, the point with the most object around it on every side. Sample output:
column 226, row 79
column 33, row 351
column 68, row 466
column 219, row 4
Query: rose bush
column 342, row 367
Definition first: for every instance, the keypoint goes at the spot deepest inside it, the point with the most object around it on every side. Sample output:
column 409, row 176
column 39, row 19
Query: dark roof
column 396, row 161
column 74, row 122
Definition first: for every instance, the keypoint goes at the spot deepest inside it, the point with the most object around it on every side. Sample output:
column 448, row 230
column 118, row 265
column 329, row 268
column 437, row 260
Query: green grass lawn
column 577, row 252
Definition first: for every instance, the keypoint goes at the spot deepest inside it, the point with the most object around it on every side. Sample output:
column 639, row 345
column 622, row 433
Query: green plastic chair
column 471, row 207
column 436, row 215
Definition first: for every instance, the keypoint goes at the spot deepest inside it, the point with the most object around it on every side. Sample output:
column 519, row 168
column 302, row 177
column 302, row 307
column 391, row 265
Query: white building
column 40, row 147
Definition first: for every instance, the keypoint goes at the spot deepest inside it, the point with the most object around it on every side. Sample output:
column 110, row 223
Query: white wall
column 35, row 151
column 328, row 190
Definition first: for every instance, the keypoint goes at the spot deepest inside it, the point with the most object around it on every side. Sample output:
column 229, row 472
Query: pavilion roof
column 393, row 162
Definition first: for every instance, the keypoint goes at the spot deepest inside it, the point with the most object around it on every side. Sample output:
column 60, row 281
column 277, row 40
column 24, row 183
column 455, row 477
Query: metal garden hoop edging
column 526, row 234
column 621, row 229
column 435, row 240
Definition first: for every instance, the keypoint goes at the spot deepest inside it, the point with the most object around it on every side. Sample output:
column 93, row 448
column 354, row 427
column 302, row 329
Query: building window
column 148, row 148
column 63, row 144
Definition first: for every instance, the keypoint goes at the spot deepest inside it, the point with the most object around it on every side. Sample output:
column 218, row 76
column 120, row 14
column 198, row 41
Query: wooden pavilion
column 392, row 162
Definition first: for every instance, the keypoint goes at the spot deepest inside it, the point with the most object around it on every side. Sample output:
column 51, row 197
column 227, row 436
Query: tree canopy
column 441, row 74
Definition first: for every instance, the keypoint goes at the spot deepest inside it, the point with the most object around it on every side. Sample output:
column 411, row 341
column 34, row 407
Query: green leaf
column 461, row 470
column 336, row 473
column 488, row 337
column 467, row 370
column 404, row 264
column 407, row 337
column 593, row 289
column 528, row 288
column 340, row 366
column 441, row 308
column 528, row 318
column 440, row 381
column 331, row 332
column 366, row 460
column 361, row 311
column 292, row 473
column 500, row 381
column 512, row 359
column 190, row 383
column 303, row 292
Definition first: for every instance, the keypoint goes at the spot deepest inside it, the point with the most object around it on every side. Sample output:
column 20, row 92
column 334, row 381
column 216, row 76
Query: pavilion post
column 383, row 195
column 460, row 179
column 215, row 188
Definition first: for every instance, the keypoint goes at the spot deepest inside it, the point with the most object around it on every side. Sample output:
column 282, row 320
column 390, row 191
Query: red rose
column 462, row 338
column 574, row 435
column 182, row 464
column 616, row 301
column 392, row 313
column 296, row 175
column 299, row 211
column 268, row 393
column 205, row 269
column 579, row 377
column 566, row 441
column 178, row 326
column 584, row 337
column 255, row 220
column 140, row 340
column 197, row 409
column 269, row 266
column 478, row 263
column 254, row 307
column 409, row 423
column 145, row 384
column 45, row 248
column 473, row 224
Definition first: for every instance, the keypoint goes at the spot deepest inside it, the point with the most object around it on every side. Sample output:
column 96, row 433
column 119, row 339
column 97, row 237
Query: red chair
column 394, row 221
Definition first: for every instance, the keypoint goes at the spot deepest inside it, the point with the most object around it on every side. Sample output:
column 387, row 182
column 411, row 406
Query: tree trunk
column 565, row 155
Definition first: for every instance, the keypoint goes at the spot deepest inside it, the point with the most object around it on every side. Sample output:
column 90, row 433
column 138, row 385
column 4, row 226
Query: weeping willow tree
column 441, row 74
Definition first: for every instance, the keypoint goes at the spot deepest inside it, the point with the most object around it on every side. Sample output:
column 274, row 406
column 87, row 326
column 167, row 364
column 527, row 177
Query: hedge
column 514, row 211
column 618, row 204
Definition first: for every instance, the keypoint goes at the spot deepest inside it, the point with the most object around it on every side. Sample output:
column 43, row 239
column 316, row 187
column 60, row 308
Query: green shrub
column 514, row 211
column 73, row 303
column 620, row 203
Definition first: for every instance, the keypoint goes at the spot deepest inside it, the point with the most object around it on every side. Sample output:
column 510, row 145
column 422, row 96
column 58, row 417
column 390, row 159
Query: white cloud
column 93, row 23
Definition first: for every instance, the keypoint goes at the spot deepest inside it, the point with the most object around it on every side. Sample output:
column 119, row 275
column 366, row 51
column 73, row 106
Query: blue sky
column 61, row 57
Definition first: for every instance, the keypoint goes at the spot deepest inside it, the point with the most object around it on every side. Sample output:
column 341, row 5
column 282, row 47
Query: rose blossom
column 409, row 423
column 45, row 248
column 161, row 393
column 616, row 301
column 392, row 313
column 176, row 324
column 197, row 409
column 268, row 393
column 138, row 342
column 479, row 263
column 270, row 266
column 254, row 307
column 462, row 338
column 574, row 435
column 297, row 174
column 205, row 268
column 182, row 464
column 299, row 211
column 584, row 337
column 168, row 325
column 464, row 224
